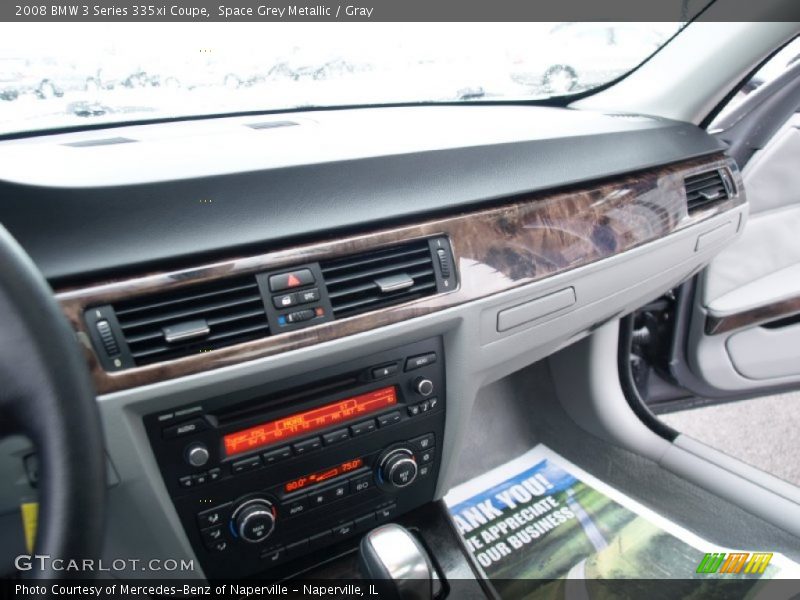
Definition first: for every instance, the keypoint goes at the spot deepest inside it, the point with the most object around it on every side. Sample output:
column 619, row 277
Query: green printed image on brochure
column 541, row 518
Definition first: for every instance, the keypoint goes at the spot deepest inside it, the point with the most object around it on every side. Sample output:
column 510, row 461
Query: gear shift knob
column 397, row 562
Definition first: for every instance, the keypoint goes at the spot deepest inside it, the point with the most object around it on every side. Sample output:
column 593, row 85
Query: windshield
column 55, row 76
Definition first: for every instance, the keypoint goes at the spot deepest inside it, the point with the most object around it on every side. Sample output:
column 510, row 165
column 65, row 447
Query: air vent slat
column 374, row 272
column 180, row 315
column 358, row 284
column 123, row 312
column 705, row 189
column 223, row 313
column 350, row 262
column 377, row 301
column 371, row 285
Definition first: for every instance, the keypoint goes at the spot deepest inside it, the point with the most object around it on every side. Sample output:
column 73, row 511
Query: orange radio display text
column 308, row 421
column 320, row 476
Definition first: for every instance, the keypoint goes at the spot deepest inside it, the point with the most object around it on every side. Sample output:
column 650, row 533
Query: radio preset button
column 186, row 482
column 214, row 474
column 200, row 478
column 389, row 419
column 247, row 464
column 306, row 446
column 363, row 427
column 422, row 360
column 334, row 437
column 277, row 455
column 413, row 410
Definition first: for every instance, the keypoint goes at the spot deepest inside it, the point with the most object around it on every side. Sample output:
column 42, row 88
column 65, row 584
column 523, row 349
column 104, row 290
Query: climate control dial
column 254, row 520
column 398, row 468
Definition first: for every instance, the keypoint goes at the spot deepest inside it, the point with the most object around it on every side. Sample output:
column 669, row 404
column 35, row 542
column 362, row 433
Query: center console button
column 344, row 530
column 213, row 535
column 272, row 456
column 361, row 484
column 389, row 419
column 384, row 371
column 422, row 360
column 214, row 516
column 247, row 464
column 292, row 279
column 305, row 296
column 296, row 506
column 387, row 512
column 284, row 300
column 306, row 446
column 363, row 427
column 333, row 437
column 426, row 456
column 365, row 522
column 423, row 442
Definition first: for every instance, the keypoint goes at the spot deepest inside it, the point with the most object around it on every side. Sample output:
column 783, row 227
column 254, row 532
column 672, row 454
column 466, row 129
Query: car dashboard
column 287, row 318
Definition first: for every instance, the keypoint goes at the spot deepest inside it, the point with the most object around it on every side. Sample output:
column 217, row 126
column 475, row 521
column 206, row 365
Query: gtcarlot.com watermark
column 45, row 562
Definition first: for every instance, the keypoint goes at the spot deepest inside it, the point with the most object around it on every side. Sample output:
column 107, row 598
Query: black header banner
column 397, row 10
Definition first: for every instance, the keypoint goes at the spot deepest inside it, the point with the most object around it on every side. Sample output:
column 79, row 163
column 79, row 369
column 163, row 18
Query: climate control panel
column 263, row 479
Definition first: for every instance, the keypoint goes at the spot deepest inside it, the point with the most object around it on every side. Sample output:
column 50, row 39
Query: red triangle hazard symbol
column 293, row 280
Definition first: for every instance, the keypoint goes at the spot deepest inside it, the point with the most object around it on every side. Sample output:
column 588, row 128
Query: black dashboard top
column 138, row 197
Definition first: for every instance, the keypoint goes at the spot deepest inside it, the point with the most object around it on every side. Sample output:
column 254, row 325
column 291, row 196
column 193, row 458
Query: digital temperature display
column 320, row 476
column 308, row 421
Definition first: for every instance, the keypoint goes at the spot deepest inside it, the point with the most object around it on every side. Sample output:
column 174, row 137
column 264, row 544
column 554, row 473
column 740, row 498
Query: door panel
column 745, row 331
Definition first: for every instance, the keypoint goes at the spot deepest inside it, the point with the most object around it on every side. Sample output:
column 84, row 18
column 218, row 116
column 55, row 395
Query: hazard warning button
column 290, row 280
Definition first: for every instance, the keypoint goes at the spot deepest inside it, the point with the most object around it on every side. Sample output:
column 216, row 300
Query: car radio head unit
column 265, row 476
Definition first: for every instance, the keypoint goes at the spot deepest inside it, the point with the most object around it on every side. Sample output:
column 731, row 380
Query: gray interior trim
column 594, row 400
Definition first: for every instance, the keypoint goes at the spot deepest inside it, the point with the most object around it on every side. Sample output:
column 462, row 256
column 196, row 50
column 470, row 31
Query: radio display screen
column 308, row 421
column 320, row 476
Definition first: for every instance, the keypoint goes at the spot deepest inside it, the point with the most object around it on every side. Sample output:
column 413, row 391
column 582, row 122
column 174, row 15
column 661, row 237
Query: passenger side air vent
column 193, row 319
column 707, row 188
column 381, row 278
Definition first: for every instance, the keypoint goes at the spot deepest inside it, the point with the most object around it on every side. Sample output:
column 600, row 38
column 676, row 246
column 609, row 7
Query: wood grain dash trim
column 496, row 249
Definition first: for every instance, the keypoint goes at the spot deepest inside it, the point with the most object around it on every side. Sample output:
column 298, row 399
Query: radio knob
column 254, row 520
column 398, row 469
column 423, row 386
column 197, row 455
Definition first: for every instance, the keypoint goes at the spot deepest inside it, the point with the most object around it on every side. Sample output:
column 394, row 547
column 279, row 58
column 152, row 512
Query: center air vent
column 707, row 188
column 192, row 320
column 381, row 278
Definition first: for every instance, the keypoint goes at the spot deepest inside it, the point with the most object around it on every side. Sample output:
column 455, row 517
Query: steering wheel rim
column 46, row 394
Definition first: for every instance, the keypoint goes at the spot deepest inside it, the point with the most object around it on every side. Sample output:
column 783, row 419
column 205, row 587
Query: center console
column 274, row 473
